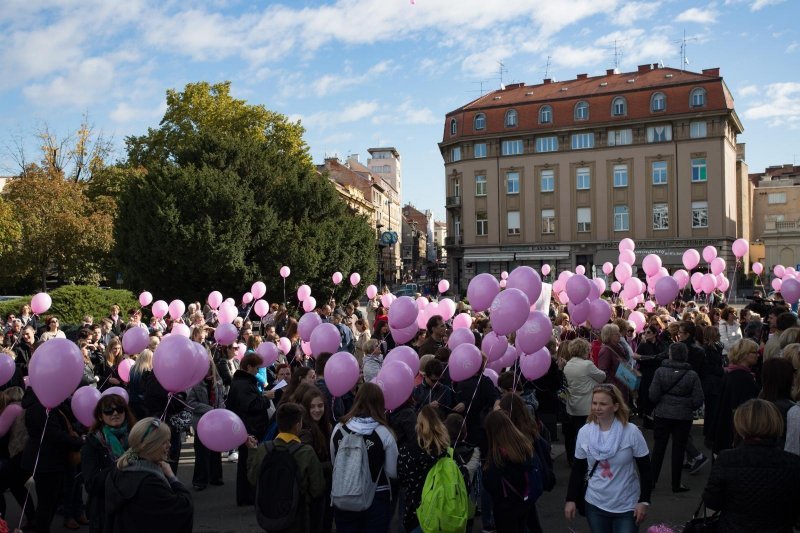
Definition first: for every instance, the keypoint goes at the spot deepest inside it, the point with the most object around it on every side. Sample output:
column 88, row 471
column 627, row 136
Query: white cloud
column 79, row 87
column 639, row 46
column 780, row 105
column 760, row 4
column 698, row 16
column 631, row 12
column 748, row 90
column 126, row 113
column 792, row 47
column 572, row 57
column 328, row 119
column 332, row 83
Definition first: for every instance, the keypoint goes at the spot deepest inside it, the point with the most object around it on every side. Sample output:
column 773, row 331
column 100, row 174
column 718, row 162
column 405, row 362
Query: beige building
column 776, row 220
column 415, row 243
column 560, row 172
column 439, row 236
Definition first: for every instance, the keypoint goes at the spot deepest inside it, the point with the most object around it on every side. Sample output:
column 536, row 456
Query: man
column 24, row 349
column 436, row 336
column 13, row 333
column 356, row 310
column 348, row 343
column 780, row 322
column 432, row 392
column 310, row 479
column 116, row 320
column 325, row 313
column 686, row 335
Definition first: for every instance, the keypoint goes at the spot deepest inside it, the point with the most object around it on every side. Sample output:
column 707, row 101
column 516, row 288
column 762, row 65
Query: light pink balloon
column 740, row 247
column 403, row 313
column 723, row 284
column 649, row 306
column 342, row 373
column 214, row 299
column 337, row 278
column 405, row 354
column 83, row 403
column 709, row 253
column 40, row 303
column 160, row 308
column 509, row 311
column 465, row 361
column 372, row 292
column 229, row 301
column 482, row 290
column 623, row 272
column 627, row 257
column 651, row 264
column 8, row 417
column 247, row 298
column 145, row 299
column 535, row 365
column 55, row 371
column 396, row 380
column 284, row 345
column 325, row 338
column 443, row 286
column 626, row 244
column 176, row 309
column 386, row 300
column 179, row 329
column 779, row 271
column 503, row 275
column 241, row 350
column 119, row 391
column 460, row 336
column 717, row 265
column 545, row 269
column 527, row 280
column 225, row 334
column 638, row 319
column 600, row 283
column 227, row 313
column 503, row 283
column 124, row 369
column 708, row 283
column 306, row 325
column 261, row 308
column 7, row 368
column 616, row 286
column 447, row 308
column 462, row 320
column 268, row 352
column 608, row 268
column 258, row 289
column 134, row 340
column 563, row 298
column 355, row 279
column 221, row 430
column 303, row 292
column 285, row 271
column 580, row 270
column 306, row 347
column 494, row 346
column 421, row 302
column 309, row 304
column 682, row 277
column 776, row 284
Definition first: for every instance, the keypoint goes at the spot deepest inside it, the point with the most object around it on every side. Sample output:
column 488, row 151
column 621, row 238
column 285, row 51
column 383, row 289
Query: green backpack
column 445, row 503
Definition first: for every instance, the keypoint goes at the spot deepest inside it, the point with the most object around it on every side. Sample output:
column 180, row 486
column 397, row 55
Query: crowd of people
column 357, row 467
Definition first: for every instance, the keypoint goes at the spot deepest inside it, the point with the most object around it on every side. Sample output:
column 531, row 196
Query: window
column 620, row 175
column 776, row 198
column 659, row 134
column 548, row 181
column 698, row 130
column 479, row 122
column 481, row 223
column 512, row 182
column 511, row 118
column 659, row 171
column 513, row 222
column 455, row 153
column 457, row 226
column 480, row 185
column 583, row 179
column 453, row 126
column 621, row 222
column 660, row 217
column 479, row 150
column 581, row 141
column 512, row 147
column 619, row 107
column 658, row 102
column 698, row 97
column 699, row 169
column 456, row 187
column 620, row 137
column 584, row 219
column 548, row 221
column 581, row 111
column 547, row 144
column 699, row 214
column 545, row 114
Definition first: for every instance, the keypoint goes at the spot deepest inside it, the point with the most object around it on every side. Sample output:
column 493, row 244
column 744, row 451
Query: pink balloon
column 309, row 304
column 563, row 298
column 503, row 283
column 682, row 277
column 229, row 302
column 599, row 314
column 174, row 363
column 708, row 283
column 558, row 286
column 258, row 289
column 667, row 290
column 535, row 332
column 447, row 308
column 790, row 290
column 285, row 271
column 608, row 268
column 545, row 269
column 491, row 374
column 462, row 320
column 303, row 292
column 776, row 284
column 601, row 285
column 443, row 286
column 758, row 268
column 337, row 278
column 306, row 347
column 465, row 361
column 460, row 336
column 8, row 416
column 227, row 312
column 509, row 311
column 626, row 244
column 355, row 279
column 740, row 247
column 724, row 284
column 145, row 299
column 226, row 334
column 651, row 264
column 403, row 312
column 179, row 329
column 40, row 303
column 623, row 272
column 527, row 280
column 342, row 373
column 119, row 391
column 405, row 354
column 247, row 298
column 269, row 353
column 503, row 275
column 160, row 308
column 221, row 430
column 717, row 265
column 579, row 313
column 176, row 309
column 779, row 271
column 396, row 381
column 306, row 325
column 709, row 253
column 372, row 292
column 325, row 338
column 402, row 336
column 627, row 257
column 214, row 299
column 616, row 286
column 284, row 345
column 535, row 365
column 649, row 306
column 241, row 350
column 55, row 370
column 386, row 300
column 83, row 403
column 638, row 319
column 261, row 308
column 124, row 368
column 691, row 258
column 580, row 270
column 578, row 288
column 482, row 290
column 7, row 368
column 422, row 302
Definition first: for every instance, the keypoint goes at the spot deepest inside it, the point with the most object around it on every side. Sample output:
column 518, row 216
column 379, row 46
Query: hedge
column 72, row 302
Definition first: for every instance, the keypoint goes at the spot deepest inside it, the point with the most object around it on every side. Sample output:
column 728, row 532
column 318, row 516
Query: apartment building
column 560, row 172
column 776, row 221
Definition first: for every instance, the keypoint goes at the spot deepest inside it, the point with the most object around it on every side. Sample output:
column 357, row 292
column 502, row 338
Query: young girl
column 373, row 360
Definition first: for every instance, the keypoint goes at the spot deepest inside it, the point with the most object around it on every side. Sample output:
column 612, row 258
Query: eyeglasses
column 108, row 411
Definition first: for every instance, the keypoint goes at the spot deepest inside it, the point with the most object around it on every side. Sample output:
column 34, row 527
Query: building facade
column 416, row 266
column 776, row 220
column 560, row 172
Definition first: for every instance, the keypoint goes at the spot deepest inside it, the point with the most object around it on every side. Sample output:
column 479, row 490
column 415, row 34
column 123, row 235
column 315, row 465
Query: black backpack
column 278, row 488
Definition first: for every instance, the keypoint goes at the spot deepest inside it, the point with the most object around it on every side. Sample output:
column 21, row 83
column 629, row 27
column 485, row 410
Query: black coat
column 96, row 464
column 738, row 386
column 403, row 422
column 755, row 486
column 57, row 440
column 248, row 403
column 483, row 402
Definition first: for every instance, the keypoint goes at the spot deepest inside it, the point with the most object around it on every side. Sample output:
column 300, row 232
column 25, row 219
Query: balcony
column 452, row 201
column 454, row 240
column 781, row 226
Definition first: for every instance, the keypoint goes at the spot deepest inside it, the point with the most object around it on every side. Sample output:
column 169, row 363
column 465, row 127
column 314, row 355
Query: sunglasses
column 108, row 411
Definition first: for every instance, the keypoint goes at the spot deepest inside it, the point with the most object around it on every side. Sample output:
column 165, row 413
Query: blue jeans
column 601, row 521
column 374, row 520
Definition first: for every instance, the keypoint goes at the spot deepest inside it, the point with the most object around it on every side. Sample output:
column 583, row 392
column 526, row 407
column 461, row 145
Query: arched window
column 619, row 107
column 480, row 121
column 698, row 97
column 545, row 114
column 511, row 118
column 453, row 126
column 658, row 102
column 581, row 111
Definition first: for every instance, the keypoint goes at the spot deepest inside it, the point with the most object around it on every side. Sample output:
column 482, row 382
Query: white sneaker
column 233, row 457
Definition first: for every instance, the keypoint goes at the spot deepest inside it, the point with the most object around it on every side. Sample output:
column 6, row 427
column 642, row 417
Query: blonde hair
column 789, row 336
column 144, row 362
column 155, row 340
column 369, row 348
column 578, row 348
column 423, row 361
column 739, row 351
column 146, row 441
column 432, row 436
column 623, row 413
column 758, row 419
column 607, row 331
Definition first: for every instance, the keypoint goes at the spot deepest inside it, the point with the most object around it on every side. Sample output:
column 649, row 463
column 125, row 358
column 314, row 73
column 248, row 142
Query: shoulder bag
column 580, row 505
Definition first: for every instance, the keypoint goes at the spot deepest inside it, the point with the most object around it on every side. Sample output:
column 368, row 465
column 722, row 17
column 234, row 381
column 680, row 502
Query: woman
column 143, row 494
column 373, row 360
column 712, row 375
column 88, row 377
column 384, row 336
column 582, row 377
column 52, row 331
column 227, row 367
column 367, row 418
column 738, row 386
column 106, row 442
column 650, row 353
column 106, row 370
column 611, row 451
column 777, row 376
column 612, row 354
column 283, row 374
column 676, row 393
column 140, row 371
column 563, row 327
column 202, row 398
column 730, row 332
column 417, row 457
column 299, row 375
column 363, row 336
column 12, row 444
column 317, row 433
column 754, row 486
column 509, row 461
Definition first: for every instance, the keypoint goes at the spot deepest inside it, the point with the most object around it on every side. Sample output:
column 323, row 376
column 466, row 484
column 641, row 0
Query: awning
column 527, row 256
column 486, row 258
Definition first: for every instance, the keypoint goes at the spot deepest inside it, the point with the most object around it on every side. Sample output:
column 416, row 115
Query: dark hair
column 289, row 414
column 443, row 354
column 454, row 422
column 519, row 414
column 322, row 360
column 777, row 310
column 777, row 376
column 298, row 376
column 320, row 431
column 506, row 443
column 250, row 360
column 107, row 401
column 434, row 367
column 281, row 366
column 432, row 323
column 369, row 402
column 291, row 328
column 679, row 352
column 506, row 380
column 785, row 321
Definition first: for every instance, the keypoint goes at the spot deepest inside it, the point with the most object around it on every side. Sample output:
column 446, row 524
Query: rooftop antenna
column 547, row 68
column 502, row 69
column 684, row 57
column 481, row 83
column 617, row 56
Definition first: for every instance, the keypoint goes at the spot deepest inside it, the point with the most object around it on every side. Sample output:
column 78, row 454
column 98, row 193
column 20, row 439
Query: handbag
column 180, row 421
column 580, row 505
column 702, row 524
column 629, row 376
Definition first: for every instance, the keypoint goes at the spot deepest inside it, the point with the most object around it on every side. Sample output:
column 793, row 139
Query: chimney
column 582, row 76
column 643, row 68
column 610, row 72
column 547, row 81
column 711, row 71
column 655, row 66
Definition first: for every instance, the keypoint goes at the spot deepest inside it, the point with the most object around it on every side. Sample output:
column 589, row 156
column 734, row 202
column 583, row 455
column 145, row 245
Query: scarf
column 116, row 439
column 733, row 367
column 604, row 444
column 138, row 464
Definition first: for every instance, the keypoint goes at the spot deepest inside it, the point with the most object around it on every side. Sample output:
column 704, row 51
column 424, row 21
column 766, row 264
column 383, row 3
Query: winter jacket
column 676, row 391
column 372, row 365
column 249, row 404
column 582, row 376
column 713, row 370
column 198, row 399
column 755, row 488
column 697, row 356
column 503, row 500
column 480, row 402
column 729, row 334
column 403, row 422
column 738, row 386
column 57, row 442
column 140, row 498
column 413, row 466
column 96, row 465
column 424, row 394
column 226, row 369
column 547, row 388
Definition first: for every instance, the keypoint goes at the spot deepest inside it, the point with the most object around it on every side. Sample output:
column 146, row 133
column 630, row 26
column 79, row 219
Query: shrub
column 72, row 302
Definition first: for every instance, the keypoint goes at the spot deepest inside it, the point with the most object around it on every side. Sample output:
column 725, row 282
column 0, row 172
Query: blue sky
column 362, row 73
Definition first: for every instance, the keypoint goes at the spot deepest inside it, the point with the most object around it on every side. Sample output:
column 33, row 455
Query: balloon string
column 284, row 292
column 164, row 414
column 466, row 412
column 35, row 464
